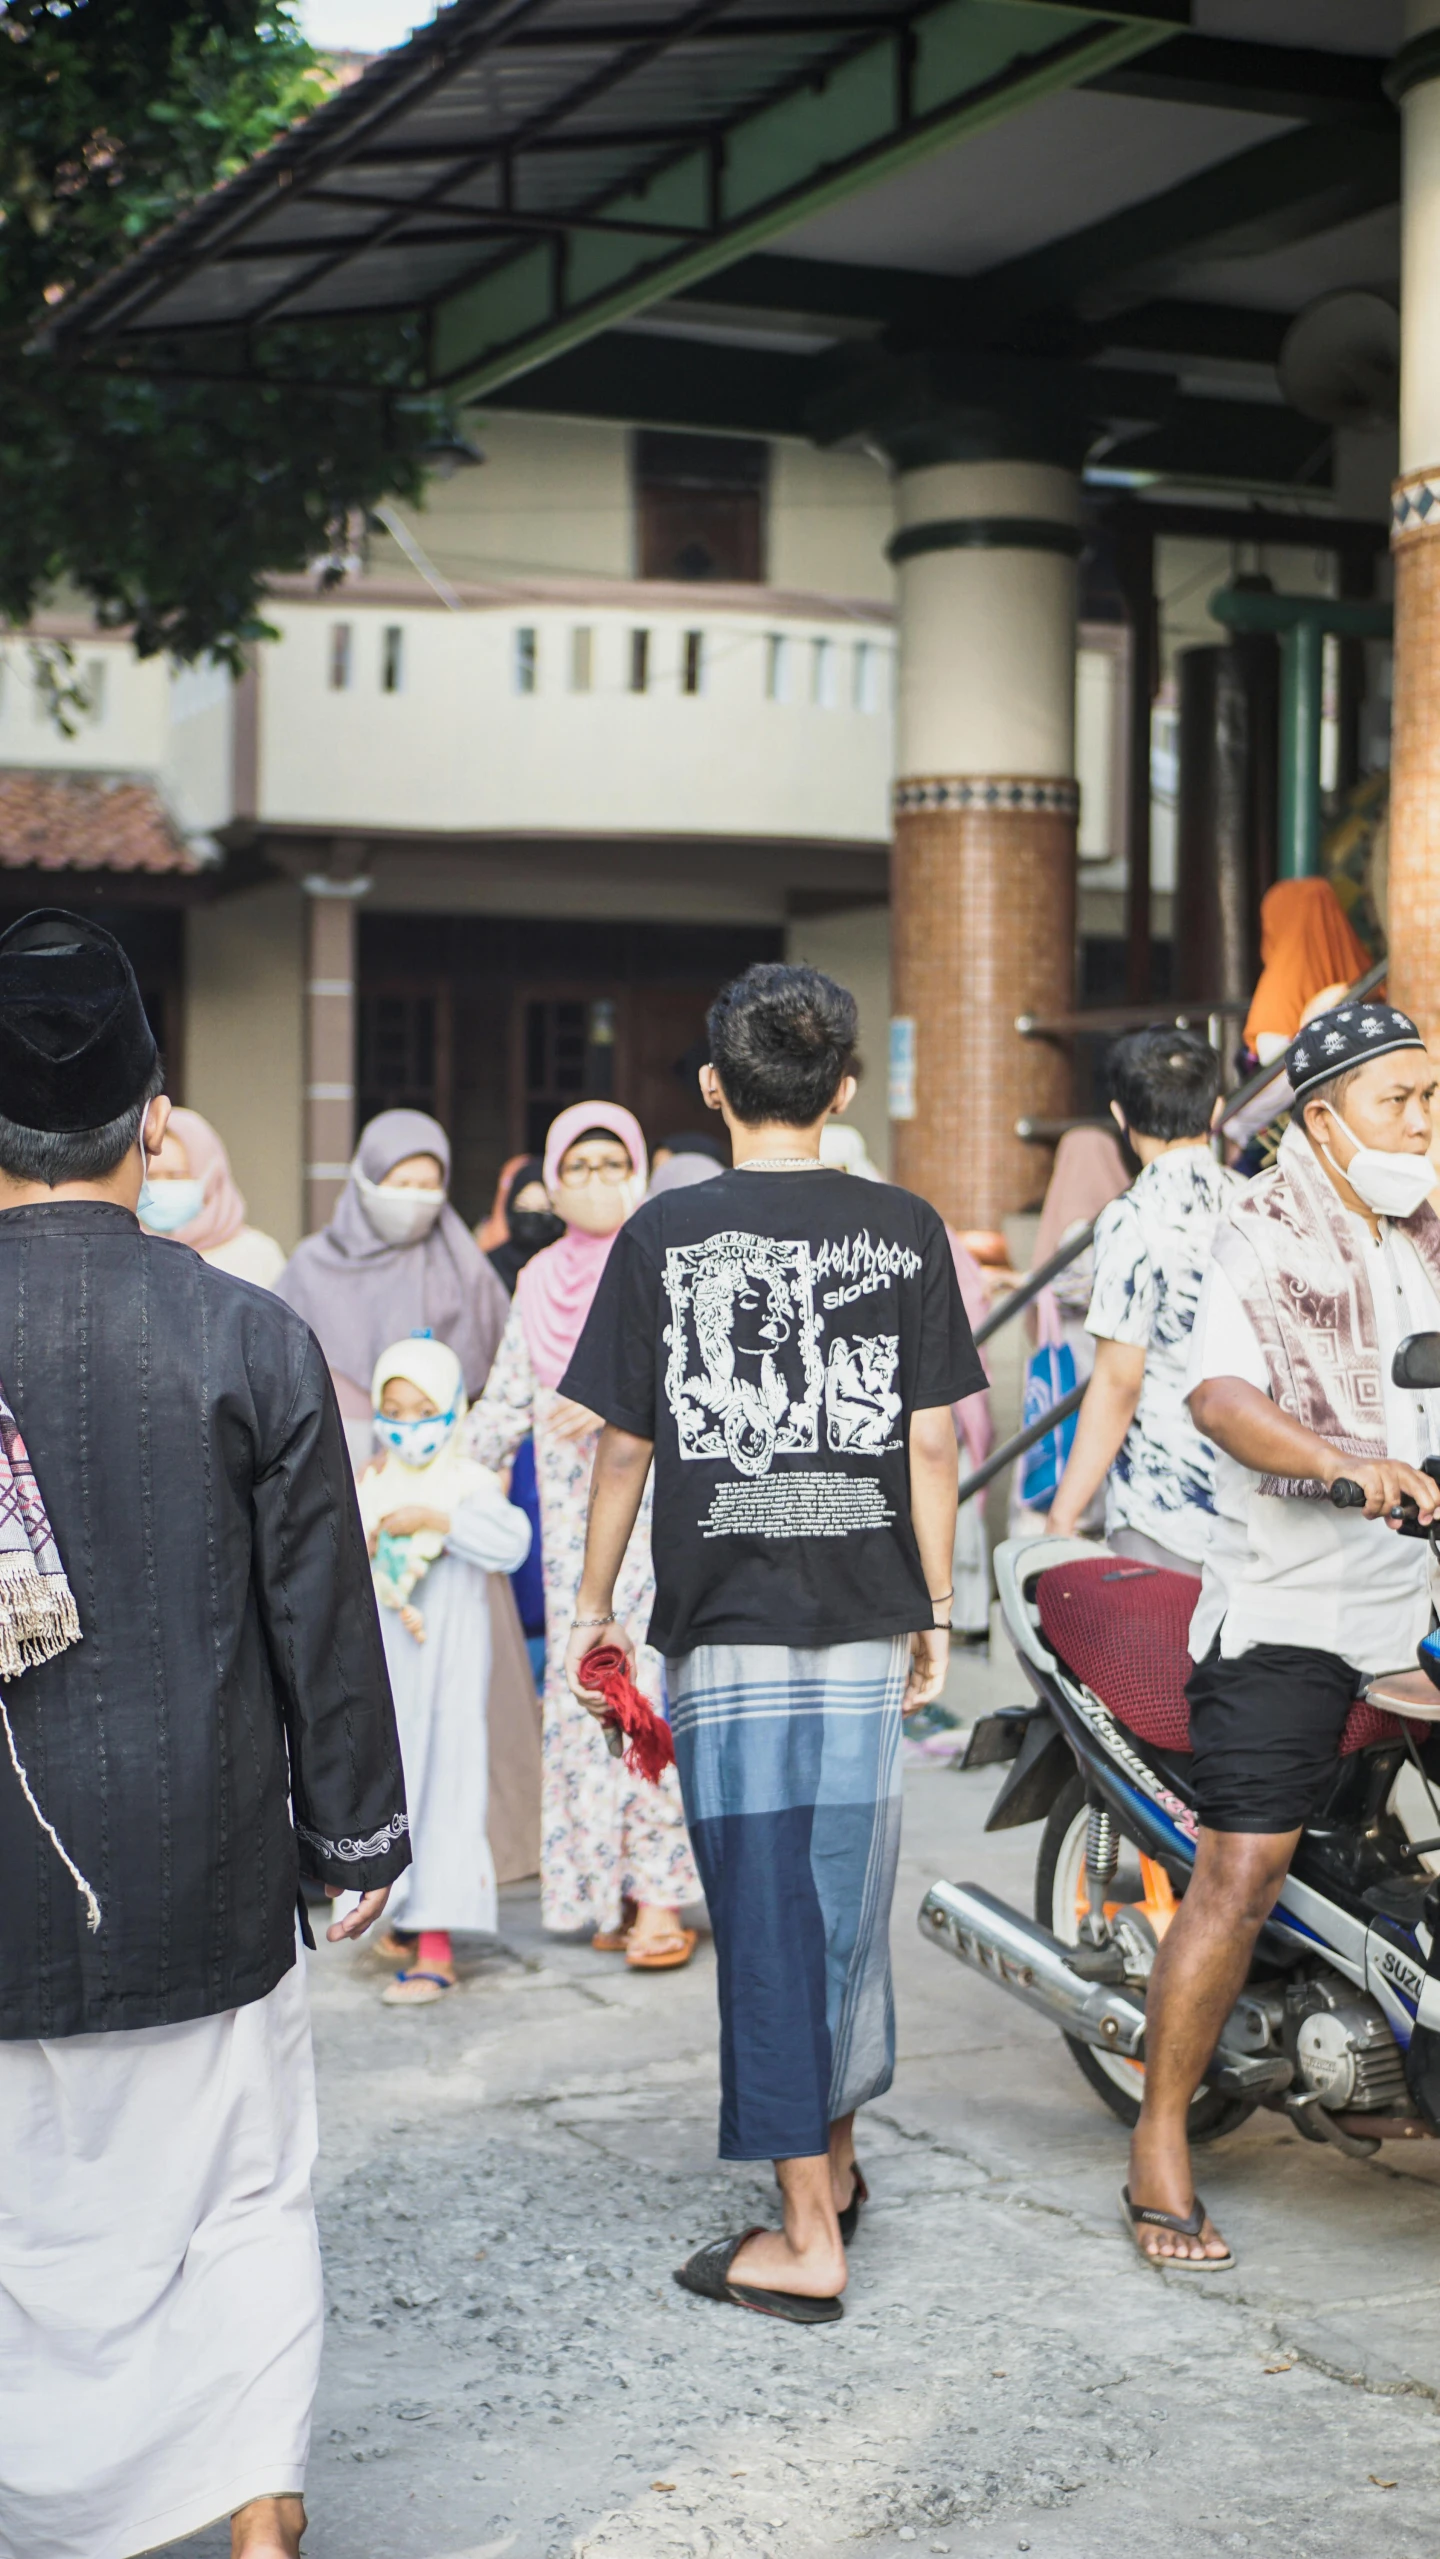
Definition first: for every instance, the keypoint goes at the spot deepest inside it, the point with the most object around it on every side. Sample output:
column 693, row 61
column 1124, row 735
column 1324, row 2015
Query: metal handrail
column 1033, row 1282
column 999, row 1458
column 1374, row 976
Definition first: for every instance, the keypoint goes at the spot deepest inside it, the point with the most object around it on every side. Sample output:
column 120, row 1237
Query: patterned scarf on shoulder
column 1289, row 1250
column 38, row 1617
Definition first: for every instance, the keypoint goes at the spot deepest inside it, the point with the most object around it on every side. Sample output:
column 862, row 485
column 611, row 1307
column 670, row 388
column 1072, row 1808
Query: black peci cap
column 75, row 1047
column 1342, row 1038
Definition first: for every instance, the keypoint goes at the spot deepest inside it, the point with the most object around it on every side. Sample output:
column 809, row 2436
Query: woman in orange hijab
column 1307, row 948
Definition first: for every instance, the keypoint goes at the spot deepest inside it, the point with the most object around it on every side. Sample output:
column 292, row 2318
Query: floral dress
column 604, row 1835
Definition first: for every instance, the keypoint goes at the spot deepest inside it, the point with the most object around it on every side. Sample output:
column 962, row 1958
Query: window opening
column 392, row 659
column 527, row 659
column 700, row 505
column 340, row 654
column 777, row 667
column 692, row 663
column 582, row 660
column 639, row 661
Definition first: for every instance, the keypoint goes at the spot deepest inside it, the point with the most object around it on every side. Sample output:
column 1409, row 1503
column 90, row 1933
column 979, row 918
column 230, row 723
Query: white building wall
column 126, row 729
column 772, row 744
column 552, row 495
column 830, row 517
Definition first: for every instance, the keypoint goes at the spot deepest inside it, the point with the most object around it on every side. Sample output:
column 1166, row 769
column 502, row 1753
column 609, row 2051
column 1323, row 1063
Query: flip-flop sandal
column 393, row 1948
column 859, row 2194
column 613, row 1941
column 1188, row 2226
column 707, row 2273
column 429, row 1987
column 663, row 1954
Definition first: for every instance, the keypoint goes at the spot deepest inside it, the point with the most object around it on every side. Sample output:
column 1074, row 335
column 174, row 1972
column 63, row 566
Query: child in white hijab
column 437, row 1523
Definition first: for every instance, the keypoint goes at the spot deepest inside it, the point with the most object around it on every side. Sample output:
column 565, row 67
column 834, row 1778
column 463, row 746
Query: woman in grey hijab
column 396, row 1259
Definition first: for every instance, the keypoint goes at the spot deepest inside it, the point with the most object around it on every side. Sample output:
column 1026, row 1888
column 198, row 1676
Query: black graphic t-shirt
column 773, row 1333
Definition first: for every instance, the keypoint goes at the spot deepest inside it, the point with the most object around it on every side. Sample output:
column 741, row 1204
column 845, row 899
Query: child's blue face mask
column 414, row 1443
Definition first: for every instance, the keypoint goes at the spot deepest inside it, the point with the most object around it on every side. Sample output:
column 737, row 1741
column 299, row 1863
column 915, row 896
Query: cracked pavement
column 507, row 2180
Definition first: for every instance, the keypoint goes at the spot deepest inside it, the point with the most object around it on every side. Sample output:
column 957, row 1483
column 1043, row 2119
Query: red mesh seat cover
column 1123, row 1628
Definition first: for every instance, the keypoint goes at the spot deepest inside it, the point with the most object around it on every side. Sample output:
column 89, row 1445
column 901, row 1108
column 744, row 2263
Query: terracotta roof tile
column 87, row 822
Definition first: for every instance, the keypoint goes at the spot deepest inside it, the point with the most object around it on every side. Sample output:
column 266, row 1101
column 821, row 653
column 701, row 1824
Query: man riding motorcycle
column 1320, row 1268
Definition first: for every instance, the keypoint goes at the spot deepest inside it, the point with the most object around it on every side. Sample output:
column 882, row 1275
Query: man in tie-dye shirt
column 1151, row 1249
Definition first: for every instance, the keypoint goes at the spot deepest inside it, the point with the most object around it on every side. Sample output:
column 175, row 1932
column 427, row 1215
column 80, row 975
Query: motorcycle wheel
column 1060, row 1901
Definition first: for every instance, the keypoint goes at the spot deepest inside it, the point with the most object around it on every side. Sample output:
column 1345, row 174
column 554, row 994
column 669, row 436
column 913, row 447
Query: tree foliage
column 165, row 501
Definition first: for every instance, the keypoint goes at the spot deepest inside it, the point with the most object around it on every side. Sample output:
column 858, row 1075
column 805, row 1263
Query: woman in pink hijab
column 190, row 1193
column 614, row 1855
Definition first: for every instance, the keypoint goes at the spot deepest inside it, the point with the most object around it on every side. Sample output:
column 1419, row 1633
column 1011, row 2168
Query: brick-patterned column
column 983, row 870
column 1414, row 919
column 331, row 940
column 982, row 928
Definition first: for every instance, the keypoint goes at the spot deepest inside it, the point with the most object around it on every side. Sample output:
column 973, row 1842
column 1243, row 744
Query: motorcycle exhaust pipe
column 1023, row 1958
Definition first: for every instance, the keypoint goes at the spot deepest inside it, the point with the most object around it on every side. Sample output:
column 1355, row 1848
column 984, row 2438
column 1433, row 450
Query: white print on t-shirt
column 745, row 1374
column 862, row 1405
column 797, row 1506
column 865, row 1265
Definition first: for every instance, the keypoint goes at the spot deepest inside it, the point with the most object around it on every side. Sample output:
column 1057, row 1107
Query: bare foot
column 1169, row 2244
column 1160, row 2176
column 652, row 1926
column 818, row 2271
column 268, row 2528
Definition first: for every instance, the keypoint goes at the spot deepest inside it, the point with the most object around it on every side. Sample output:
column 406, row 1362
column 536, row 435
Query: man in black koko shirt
column 786, row 1342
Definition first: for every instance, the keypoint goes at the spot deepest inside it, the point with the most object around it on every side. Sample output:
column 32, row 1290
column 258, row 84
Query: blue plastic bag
column 1049, row 1377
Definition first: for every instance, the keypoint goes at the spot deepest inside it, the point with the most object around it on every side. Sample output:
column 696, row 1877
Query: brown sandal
column 663, row 1954
column 613, row 1941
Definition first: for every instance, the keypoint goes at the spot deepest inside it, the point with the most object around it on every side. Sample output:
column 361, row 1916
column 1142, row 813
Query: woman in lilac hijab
column 396, row 1259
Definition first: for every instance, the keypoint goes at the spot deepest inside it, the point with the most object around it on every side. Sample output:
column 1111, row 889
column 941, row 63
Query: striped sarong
column 790, row 1772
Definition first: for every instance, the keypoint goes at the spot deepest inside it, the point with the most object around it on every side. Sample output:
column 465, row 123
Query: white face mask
column 167, row 1206
column 1389, row 1184
column 415, row 1443
column 398, row 1217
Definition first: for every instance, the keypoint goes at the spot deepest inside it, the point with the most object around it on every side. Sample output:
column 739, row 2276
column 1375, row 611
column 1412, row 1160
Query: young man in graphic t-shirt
column 786, row 1343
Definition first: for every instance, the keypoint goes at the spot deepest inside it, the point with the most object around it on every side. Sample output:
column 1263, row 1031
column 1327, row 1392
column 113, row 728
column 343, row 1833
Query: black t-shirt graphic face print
column 773, row 1333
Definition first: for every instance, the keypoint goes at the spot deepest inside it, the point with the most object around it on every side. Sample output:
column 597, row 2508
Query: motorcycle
column 1338, row 2024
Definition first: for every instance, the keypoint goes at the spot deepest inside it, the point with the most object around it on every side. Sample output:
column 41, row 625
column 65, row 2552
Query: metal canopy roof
column 800, row 217
column 526, row 172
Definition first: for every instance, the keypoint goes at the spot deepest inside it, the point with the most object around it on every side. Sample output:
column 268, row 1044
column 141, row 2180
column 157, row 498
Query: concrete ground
column 507, row 2180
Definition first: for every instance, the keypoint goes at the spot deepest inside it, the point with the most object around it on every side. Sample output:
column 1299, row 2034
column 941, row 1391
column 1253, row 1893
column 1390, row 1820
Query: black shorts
column 1265, row 1732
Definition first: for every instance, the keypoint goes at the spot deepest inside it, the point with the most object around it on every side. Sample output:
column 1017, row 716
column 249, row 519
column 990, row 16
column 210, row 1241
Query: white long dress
column 440, row 1689
column 161, row 2314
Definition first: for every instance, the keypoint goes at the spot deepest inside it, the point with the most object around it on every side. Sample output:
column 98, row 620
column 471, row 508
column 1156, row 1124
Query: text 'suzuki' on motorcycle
column 1339, row 2022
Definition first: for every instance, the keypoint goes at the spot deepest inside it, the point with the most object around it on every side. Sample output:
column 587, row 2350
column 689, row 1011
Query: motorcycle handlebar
column 1347, row 1495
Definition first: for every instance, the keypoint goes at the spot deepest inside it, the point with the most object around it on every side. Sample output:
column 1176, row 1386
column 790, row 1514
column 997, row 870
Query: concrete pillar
column 330, row 1037
column 983, row 876
column 245, row 968
column 1415, row 535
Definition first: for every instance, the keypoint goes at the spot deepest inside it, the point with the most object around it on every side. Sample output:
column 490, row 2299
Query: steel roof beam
column 1287, row 189
column 1268, row 79
column 893, row 100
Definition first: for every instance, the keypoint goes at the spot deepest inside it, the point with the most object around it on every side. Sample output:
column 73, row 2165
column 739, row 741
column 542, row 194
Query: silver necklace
column 782, row 1164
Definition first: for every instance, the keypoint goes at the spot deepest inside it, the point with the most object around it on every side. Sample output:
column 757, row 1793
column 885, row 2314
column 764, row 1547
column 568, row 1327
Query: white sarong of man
column 160, row 2300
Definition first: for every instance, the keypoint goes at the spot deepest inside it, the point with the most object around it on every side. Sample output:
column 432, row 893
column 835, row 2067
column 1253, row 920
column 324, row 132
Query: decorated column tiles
column 1414, row 883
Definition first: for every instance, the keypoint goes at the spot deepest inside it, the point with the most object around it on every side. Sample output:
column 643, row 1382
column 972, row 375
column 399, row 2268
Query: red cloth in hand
column 649, row 1750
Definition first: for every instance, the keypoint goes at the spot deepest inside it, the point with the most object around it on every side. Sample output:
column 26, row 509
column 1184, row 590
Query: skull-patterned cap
column 1345, row 1037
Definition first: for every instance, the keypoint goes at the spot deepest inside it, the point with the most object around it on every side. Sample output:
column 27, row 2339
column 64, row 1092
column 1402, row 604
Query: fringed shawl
column 38, row 1617
column 1289, row 1250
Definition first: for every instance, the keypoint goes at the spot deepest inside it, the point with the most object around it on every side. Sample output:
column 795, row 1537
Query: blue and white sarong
column 790, row 1771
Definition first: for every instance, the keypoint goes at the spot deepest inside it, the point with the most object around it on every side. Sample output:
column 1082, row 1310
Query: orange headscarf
column 1305, row 944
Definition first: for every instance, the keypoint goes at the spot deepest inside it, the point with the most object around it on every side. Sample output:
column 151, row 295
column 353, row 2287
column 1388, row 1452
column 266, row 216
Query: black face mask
column 533, row 1228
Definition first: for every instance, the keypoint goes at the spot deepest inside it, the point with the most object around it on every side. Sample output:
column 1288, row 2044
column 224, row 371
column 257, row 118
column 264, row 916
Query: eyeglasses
column 582, row 1168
